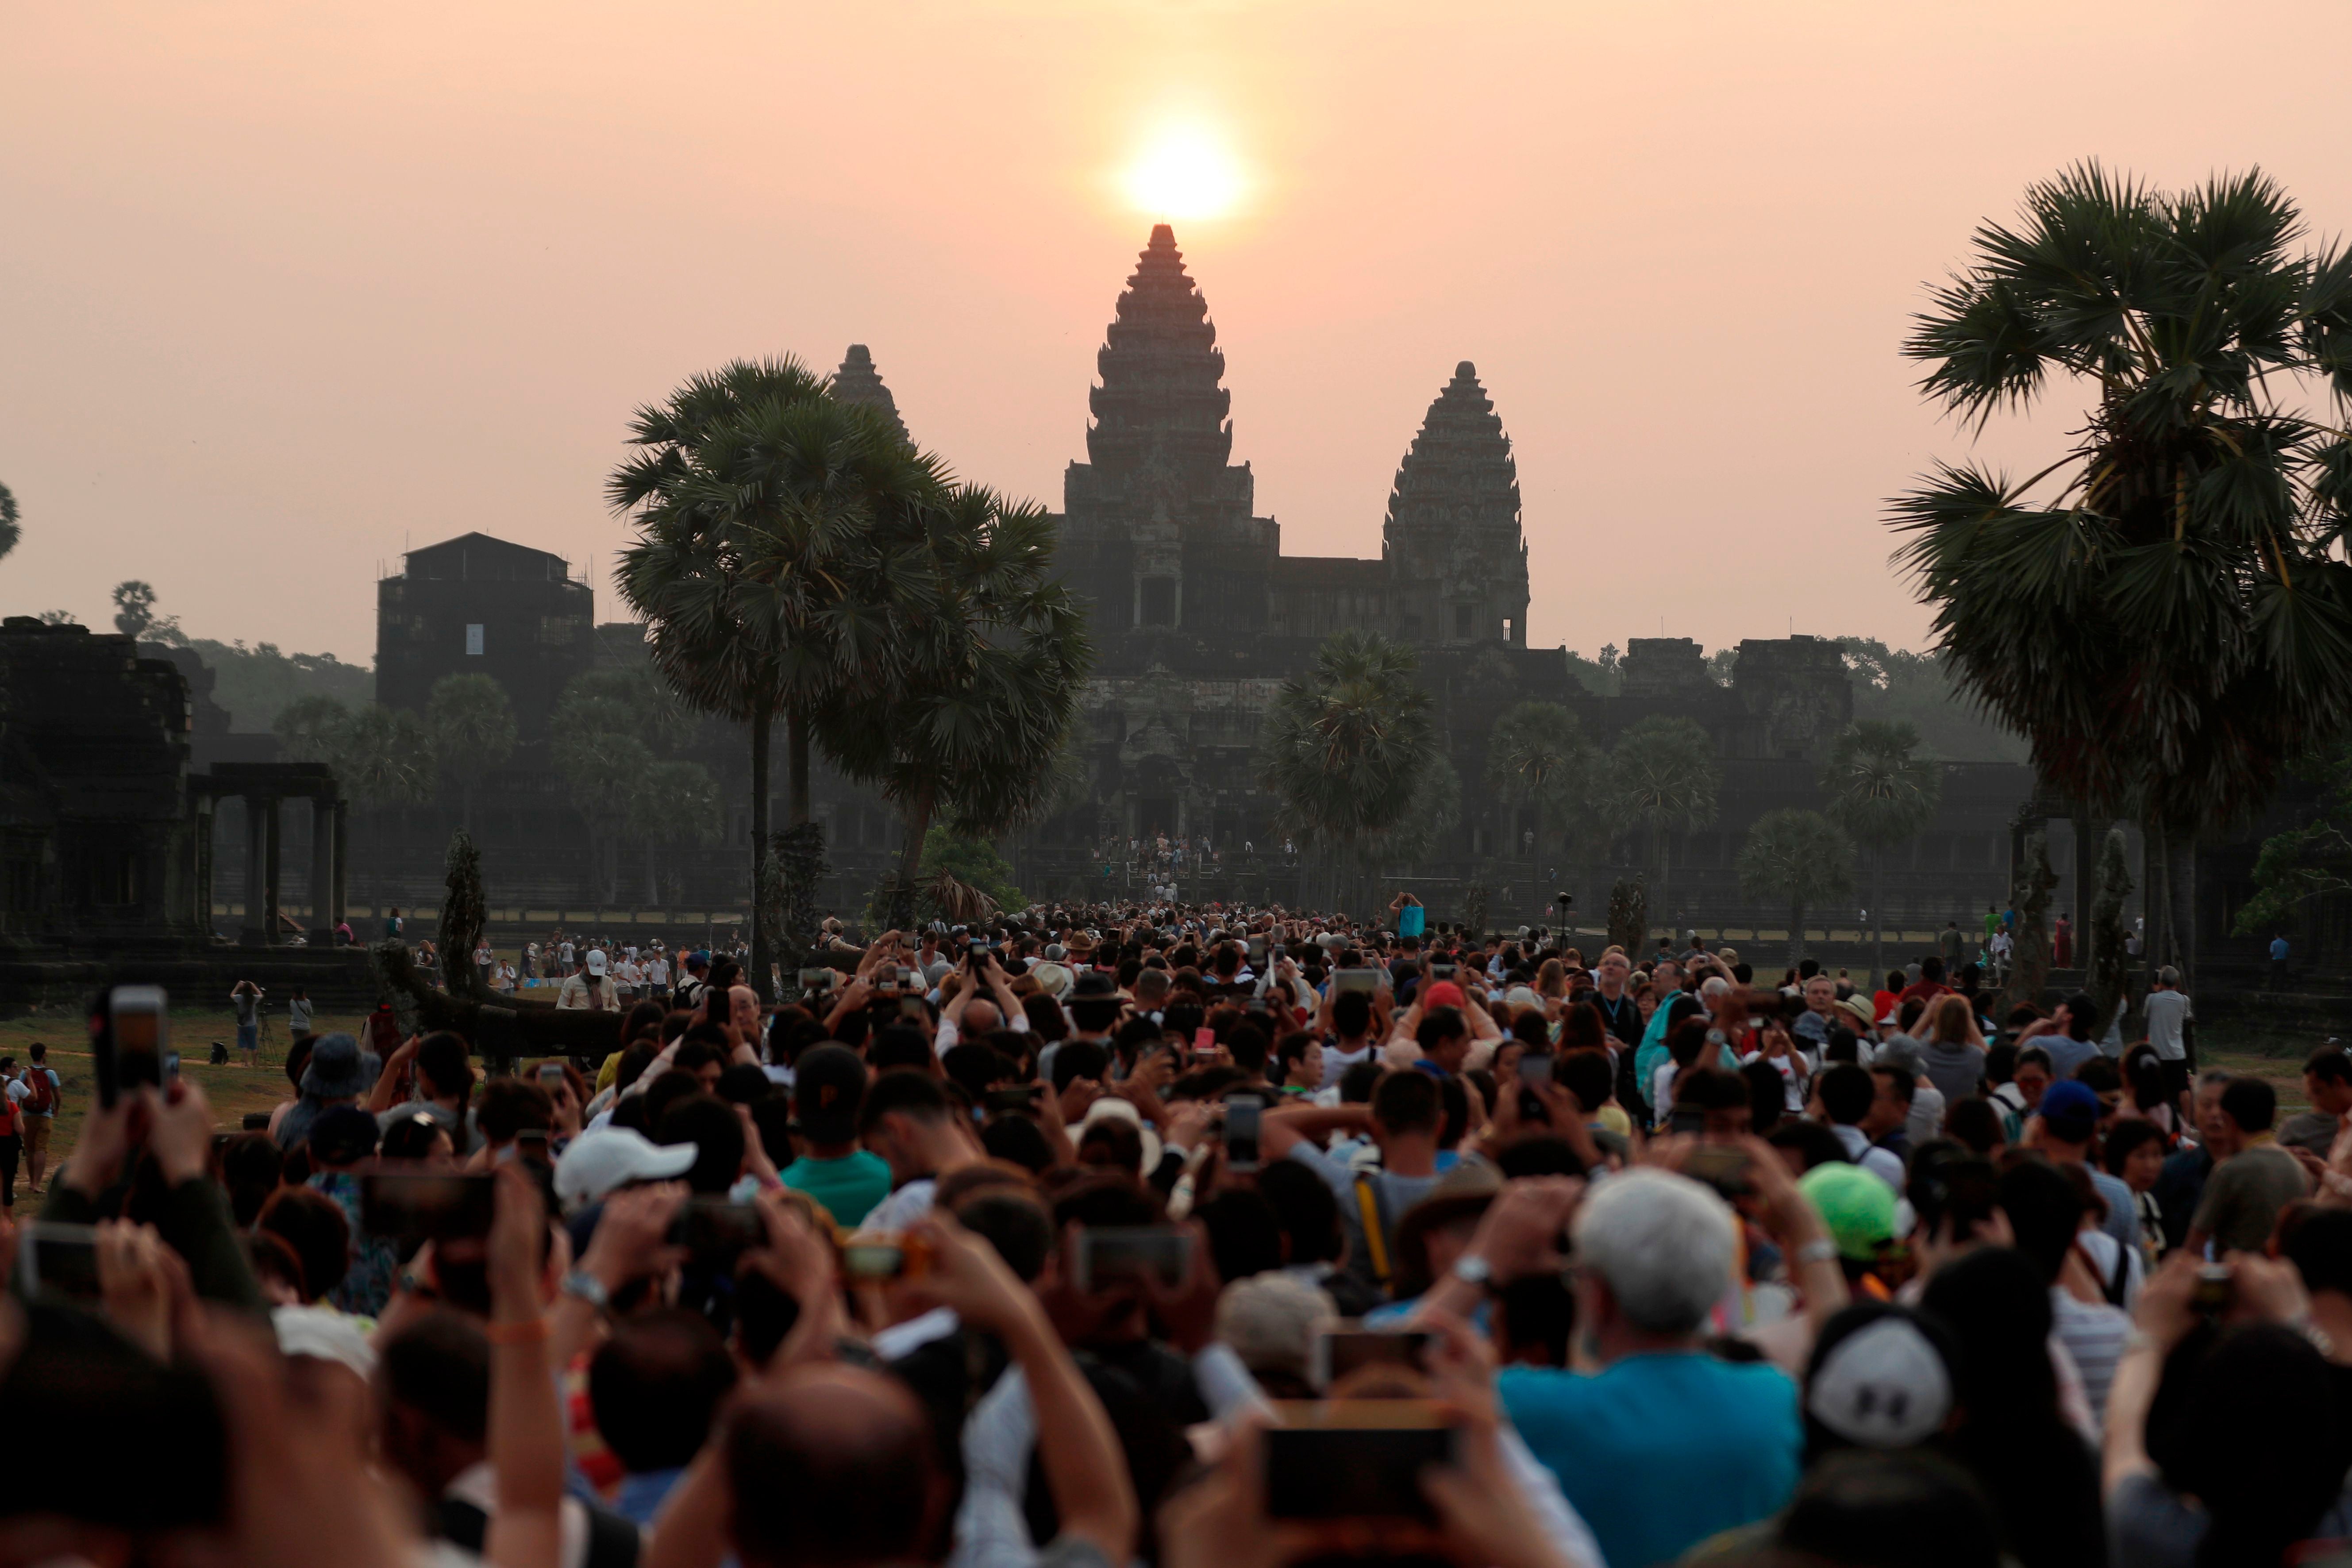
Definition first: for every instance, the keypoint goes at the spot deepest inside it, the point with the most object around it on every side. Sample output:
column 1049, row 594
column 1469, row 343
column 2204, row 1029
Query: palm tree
column 673, row 802
column 1881, row 793
column 9, row 531
column 1662, row 779
column 1344, row 748
column 1800, row 856
column 754, row 497
column 384, row 758
column 2170, row 625
column 1536, row 756
column 472, row 726
column 990, row 653
column 315, row 729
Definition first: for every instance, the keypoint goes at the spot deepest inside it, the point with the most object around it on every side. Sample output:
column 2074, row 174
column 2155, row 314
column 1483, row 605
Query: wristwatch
column 587, row 1287
column 1473, row 1270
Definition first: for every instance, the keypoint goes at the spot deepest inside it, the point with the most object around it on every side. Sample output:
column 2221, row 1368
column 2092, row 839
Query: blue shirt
column 1409, row 920
column 2278, row 950
column 1660, row 1451
column 640, row 1495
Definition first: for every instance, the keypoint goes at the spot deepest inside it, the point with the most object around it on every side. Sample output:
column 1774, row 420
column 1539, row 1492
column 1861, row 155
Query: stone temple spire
column 859, row 383
column 1454, row 523
column 1160, row 404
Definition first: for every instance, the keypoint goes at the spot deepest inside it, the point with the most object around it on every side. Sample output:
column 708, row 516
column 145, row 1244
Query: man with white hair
column 1664, row 1445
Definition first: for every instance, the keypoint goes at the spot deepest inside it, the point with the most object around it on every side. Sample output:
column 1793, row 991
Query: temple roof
column 1160, row 403
column 1459, row 468
column 859, row 383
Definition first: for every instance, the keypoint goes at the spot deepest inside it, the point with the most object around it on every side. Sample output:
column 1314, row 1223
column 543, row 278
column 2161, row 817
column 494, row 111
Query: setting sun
column 1184, row 173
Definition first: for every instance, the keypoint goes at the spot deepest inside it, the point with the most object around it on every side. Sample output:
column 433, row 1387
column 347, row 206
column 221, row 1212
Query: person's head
column 1309, row 1214
column 2327, row 1079
column 1820, row 995
column 1445, row 1037
column 444, row 1067
column 1846, row 1094
column 2248, row 1106
column 2134, row 1154
column 314, row 1226
column 2077, row 1016
column 2032, row 1075
column 1589, row 1076
column 656, row 1386
column 1612, row 973
column 2250, row 1429
column 828, row 1087
column 831, row 1467
column 716, row 1131
column 1891, row 1091
column 1406, row 1105
column 1996, row 1304
column 1655, row 1252
column 433, row 1400
column 1299, row 1061
column 1351, row 1018
column 1721, row 1099
column 2069, row 1117
column 1977, row 1124
column 2318, row 1242
column 1864, row 1507
column 1880, row 1377
column 2167, row 979
column 906, row 1119
column 2044, row 1211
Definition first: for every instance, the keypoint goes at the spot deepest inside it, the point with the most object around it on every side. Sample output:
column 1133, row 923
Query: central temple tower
column 1157, row 531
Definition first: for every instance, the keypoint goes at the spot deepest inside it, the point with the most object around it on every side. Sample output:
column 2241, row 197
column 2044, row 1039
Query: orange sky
column 284, row 287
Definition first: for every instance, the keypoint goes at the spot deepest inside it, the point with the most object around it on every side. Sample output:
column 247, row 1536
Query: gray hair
column 2168, row 976
column 1714, row 985
column 1662, row 1244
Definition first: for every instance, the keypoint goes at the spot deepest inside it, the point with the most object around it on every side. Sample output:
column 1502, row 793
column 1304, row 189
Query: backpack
column 43, row 1099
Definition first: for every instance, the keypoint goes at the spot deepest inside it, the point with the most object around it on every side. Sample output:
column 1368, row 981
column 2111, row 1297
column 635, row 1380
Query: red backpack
column 43, row 1099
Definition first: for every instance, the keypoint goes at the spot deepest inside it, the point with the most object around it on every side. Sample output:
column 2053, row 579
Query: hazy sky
column 287, row 288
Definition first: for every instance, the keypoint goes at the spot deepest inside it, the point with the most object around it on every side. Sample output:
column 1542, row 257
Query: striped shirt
column 2095, row 1337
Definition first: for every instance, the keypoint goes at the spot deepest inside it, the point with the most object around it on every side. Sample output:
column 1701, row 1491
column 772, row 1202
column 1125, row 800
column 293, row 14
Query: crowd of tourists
column 1211, row 1238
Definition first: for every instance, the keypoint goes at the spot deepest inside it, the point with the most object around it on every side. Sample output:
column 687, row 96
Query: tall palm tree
column 754, row 497
column 1343, row 748
column 314, row 729
column 1537, row 757
column 1800, row 858
column 2170, row 625
column 1882, row 794
column 472, row 726
column 1663, row 778
column 988, row 653
column 383, row 757
column 670, row 803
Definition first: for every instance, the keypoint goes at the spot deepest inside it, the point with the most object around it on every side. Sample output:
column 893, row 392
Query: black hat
column 1094, row 986
column 828, row 1084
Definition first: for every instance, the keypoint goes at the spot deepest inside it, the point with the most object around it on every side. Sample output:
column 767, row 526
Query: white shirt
column 1878, row 1162
column 2167, row 1011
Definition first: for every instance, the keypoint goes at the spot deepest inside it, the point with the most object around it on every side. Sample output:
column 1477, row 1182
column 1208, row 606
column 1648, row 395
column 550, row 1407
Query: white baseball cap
column 601, row 1163
column 596, row 960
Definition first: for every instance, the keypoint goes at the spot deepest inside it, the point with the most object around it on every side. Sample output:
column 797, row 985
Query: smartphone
column 62, row 1258
column 1257, row 949
column 708, row 1226
column 1204, row 1042
column 1101, row 1255
column 978, row 948
column 908, row 980
column 1242, row 1114
column 2213, row 1290
column 1441, row 971
column 912, row 1007
column 417, row 1206
column 817, row 979
column 531, row 1145
column 1535, row 1067
column 1017, row 1098
column 875, row 1259
column 551, row 1078
column 1356, row 980
column 1354, row 1458
column 1343, row 1345
column 130, row 1050
column 257, row 1121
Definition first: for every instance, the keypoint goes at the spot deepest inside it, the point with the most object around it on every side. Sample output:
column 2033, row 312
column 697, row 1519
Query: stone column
column 206, row 819
column 271, row 873
column 322, row 872
column 260, row 816
column 339, row 897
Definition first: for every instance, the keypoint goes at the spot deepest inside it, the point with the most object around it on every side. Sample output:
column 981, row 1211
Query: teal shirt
column 1659, row 1452
column 1411, row 920
column 848, row 1188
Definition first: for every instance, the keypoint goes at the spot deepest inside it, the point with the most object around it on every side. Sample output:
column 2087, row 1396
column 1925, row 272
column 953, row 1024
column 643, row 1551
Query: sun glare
column 1185, row 174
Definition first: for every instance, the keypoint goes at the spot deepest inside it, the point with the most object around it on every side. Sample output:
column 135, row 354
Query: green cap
column 1858, row 1208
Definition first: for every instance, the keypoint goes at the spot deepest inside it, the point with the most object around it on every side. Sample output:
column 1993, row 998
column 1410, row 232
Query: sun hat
column 600, row 1164
column 1858, row 1010
column 333, row 1071
column 1054, row 979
